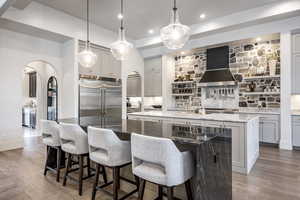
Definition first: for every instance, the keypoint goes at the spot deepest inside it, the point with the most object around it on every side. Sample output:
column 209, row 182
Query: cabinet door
column 116, row 67
column 296, row 134
column 153, row 77
column 296, row 43
column 270, row 132
column 106, row 68
column 296, row 74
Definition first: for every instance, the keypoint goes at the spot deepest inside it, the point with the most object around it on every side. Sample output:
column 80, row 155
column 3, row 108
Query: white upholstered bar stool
column 158, row 160
column 50, row 134
column 74, row 141
column 106, row 149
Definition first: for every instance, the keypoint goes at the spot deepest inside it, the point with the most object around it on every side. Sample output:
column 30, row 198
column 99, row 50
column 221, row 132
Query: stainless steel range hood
column 217, row 70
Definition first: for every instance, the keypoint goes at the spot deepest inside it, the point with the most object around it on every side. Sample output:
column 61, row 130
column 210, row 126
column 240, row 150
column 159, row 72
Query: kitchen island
column 210, row 146
column 244, row 128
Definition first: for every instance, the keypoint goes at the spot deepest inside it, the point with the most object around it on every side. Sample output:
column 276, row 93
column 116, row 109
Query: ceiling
column 29, row 30
column 142, row 15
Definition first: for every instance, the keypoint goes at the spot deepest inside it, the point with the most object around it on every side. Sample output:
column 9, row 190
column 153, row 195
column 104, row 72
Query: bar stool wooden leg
column 96, row 181
column 46, row 164
column 69, row 161
column 58, row 164
column 141, row 189
column 170, row 193
column 104, row 174
column 188, row 189
column 80, row 175
column 115, row 183
column 88, row 165
column 118, row 179
column 160, row 192
column 137, row 182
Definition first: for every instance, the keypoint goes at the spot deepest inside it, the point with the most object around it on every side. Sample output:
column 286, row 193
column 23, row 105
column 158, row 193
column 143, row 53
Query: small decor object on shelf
column 175, row 35
column 87, row 58
column 121, row 48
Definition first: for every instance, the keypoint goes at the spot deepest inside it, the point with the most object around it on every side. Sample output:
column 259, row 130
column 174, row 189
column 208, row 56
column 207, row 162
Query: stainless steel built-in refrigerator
column 100, row 101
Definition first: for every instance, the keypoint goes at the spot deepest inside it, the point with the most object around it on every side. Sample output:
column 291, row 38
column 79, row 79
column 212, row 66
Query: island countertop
column 240, row 118
column 210, row 146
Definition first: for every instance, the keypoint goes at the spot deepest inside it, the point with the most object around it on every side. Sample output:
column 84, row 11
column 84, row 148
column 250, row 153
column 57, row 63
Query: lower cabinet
column 269, row 129
column 269, row 132
column 296, row 131
column 245, row 145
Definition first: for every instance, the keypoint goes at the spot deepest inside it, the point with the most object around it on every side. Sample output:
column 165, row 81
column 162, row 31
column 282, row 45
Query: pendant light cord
column 174, row 10
column 88, row 23
column 122, row 11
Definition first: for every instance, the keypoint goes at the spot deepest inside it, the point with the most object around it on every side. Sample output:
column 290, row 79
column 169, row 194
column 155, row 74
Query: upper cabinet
column 296, row 43
column 296, row 64
column 106, row 66
column 153, row 77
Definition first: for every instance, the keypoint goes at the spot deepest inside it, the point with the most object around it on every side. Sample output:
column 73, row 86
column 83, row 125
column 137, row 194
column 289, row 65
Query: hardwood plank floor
column 276, row 176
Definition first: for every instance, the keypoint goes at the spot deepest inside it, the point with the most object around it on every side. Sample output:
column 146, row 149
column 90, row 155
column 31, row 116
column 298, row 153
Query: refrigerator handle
column 104, row 101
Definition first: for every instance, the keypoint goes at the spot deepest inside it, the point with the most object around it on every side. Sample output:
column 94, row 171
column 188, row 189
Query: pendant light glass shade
column 121, row 48
column 87, row 58
column 175, row 35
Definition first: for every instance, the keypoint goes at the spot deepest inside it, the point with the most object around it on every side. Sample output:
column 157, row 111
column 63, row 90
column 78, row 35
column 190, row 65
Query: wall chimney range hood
column 217, row 69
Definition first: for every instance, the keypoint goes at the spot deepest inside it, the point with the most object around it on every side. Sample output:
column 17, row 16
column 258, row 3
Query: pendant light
column 175, row 35
column 87, row 58
column 121, row 48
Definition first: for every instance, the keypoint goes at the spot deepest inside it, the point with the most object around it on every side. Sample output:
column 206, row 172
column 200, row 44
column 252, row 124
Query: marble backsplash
column 256, row 66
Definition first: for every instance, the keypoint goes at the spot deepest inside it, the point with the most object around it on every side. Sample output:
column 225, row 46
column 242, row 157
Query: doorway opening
column 35, row 101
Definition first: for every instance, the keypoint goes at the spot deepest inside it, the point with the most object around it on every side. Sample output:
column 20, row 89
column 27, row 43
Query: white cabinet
column 296, row 64
column 153, row 77
column 269, row 132
column 296, row 73
column 296, row 131
column 269, row 129
column 134, row 88
column 106, row 65
column 296, row 43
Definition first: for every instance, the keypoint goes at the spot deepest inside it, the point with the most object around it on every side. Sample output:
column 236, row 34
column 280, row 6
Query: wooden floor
column 276, row 176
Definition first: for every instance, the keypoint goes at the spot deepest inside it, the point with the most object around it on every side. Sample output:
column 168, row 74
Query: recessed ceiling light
column 182, row 53
column 151, row 31
column 258, row 39
column 202, row 16
column 120, row 16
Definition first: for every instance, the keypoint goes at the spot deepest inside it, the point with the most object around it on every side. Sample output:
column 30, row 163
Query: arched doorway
column 35, row 95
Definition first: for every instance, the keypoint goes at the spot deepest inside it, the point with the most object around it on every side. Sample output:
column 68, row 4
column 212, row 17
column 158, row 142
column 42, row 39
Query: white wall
column 69, row 88
column 16, row 51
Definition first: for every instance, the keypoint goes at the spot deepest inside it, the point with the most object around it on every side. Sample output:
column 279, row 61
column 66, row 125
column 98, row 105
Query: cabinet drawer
column 296, row 119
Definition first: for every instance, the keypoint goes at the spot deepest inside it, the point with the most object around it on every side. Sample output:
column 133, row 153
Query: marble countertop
column 241, row 118
column 187, row 134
